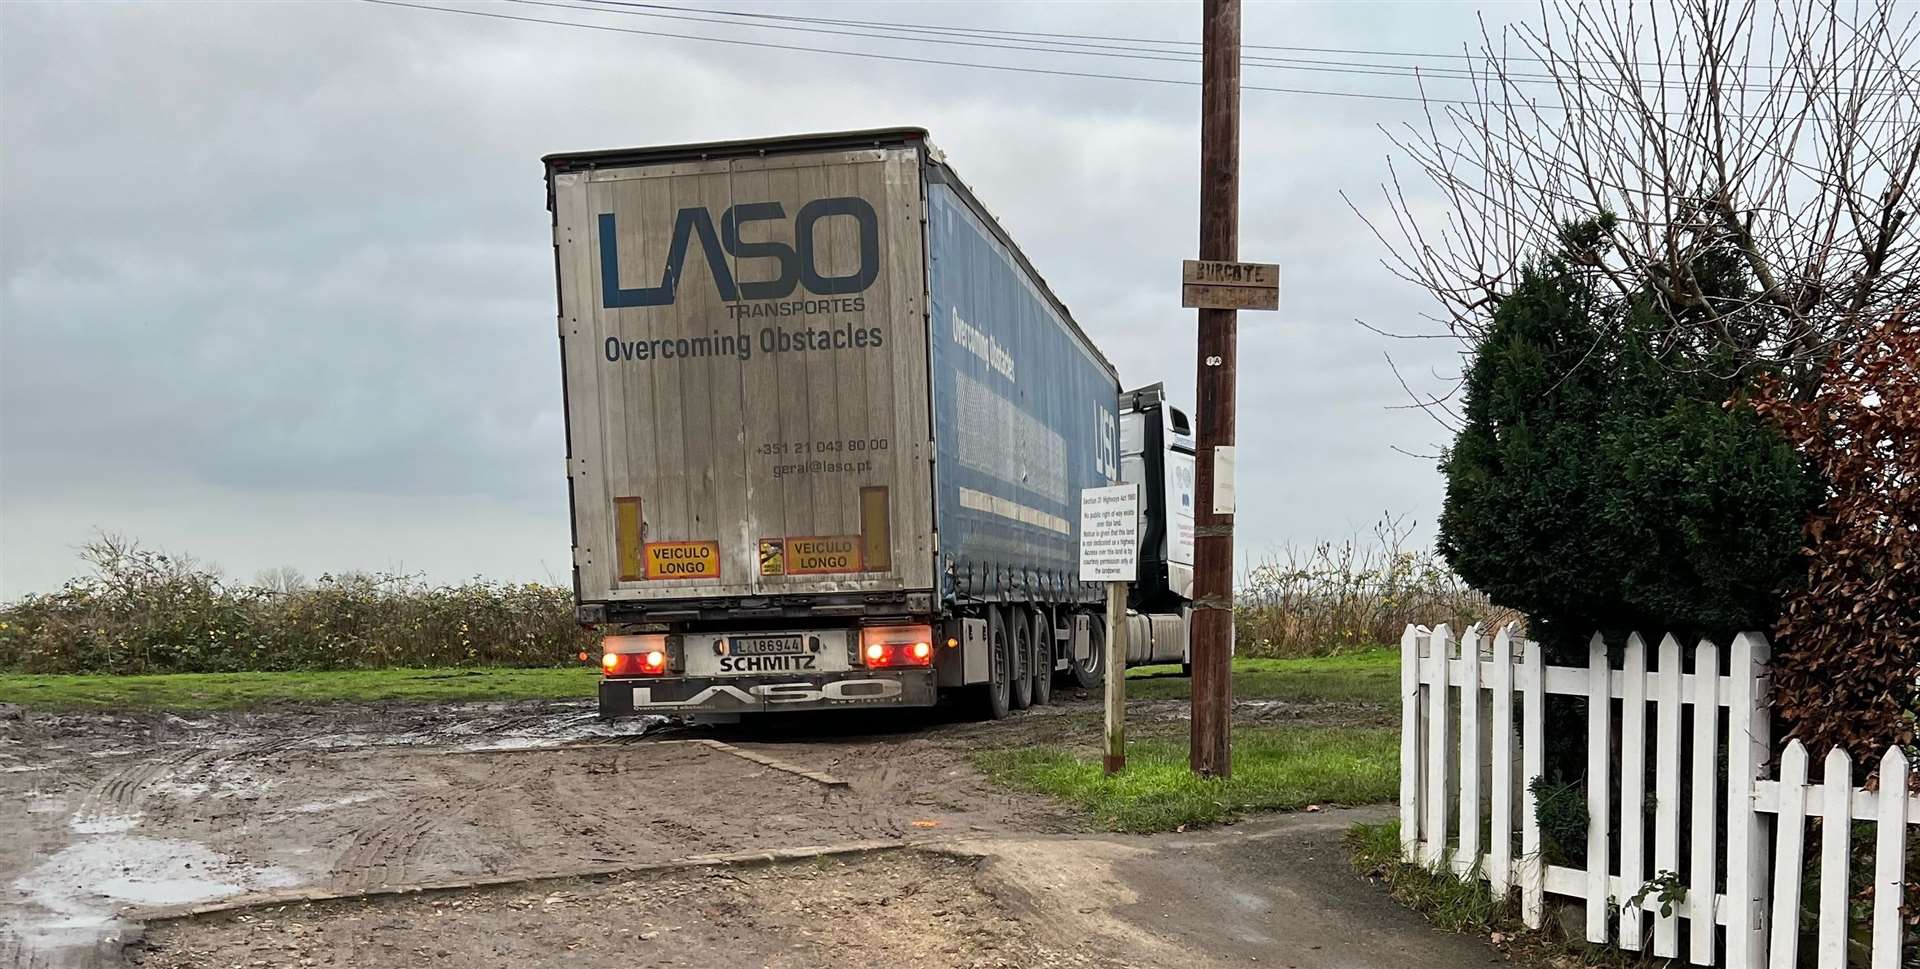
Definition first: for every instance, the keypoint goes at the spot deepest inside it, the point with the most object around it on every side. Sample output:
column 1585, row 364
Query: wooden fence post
column 1410, row 740
column 1633, row 785
column 1666, row 787
column 1467, row 856
column 1749, row 743
column 1533, row 877
column 1890, row 859
column 1439, row 650
column 1836, row 832
column 1789, row 858
column 1706, row 819
column 1500, row 871
column 1599, row 790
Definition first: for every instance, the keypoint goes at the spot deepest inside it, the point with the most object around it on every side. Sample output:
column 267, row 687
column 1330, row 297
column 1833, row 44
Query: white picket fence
column 1473, row 729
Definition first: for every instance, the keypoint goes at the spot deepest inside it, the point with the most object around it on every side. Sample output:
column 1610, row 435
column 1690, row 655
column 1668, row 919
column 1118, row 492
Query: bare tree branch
column 1786, row 134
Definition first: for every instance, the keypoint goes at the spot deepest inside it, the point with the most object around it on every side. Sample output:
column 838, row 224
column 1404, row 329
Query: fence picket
column 1890, row 859
column 1633, row 783
column 1500, row 824
column 1666, row 787
column 1705, row 831
column 1789, row 857
column 1836, row 822
column 1409, row 740
column 1439, row 650
column 1468, row 856
column 1533, row 748
column 1599, row 791
column 1749, row 737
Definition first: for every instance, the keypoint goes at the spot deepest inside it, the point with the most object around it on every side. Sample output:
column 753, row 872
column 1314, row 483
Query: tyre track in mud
column 123, row 793
column 389, row 851
column 14, row 953
column 121, row 796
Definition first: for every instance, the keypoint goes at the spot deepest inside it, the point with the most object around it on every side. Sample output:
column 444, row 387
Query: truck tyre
column 1043, row 645
column 1090, row 673
column 1015, row 619
column 997, row 691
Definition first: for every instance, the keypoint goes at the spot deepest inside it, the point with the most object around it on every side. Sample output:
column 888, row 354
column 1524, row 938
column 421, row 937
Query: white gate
column 1473, row 730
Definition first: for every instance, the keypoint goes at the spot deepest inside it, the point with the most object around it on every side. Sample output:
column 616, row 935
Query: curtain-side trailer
column 826, row 434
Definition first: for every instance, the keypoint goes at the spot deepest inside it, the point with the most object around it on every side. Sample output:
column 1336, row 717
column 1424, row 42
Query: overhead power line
column 1037, row 47
column 901, row 58
column 1163, row 42
column 1117, row 51
column 989, row 41
column 1418, row 75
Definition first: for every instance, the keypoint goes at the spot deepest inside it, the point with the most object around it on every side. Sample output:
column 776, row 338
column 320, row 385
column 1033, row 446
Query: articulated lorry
column 826, row 435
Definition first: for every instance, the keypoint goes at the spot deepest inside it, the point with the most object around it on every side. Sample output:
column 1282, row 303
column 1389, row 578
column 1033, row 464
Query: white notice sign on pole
column 1110, row 534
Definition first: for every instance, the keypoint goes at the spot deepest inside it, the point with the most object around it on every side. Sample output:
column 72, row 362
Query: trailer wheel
column 1043, row 645
column 1015, row 618
column 1088, row 674
column 996, row 693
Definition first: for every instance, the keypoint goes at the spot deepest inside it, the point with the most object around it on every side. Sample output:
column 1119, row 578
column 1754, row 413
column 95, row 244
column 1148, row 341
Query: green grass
column 222, row 691
column 1369, row 676
column 1274, row 769
column 1457, row 904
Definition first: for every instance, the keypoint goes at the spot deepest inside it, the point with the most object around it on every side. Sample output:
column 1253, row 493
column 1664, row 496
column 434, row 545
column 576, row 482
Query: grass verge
column 222, row 691
column 1274, row 769
column 1366, row 676
column 1465, row 905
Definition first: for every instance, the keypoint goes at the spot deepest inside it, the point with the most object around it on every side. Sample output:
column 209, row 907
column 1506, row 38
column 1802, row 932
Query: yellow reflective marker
column 626, row 538
column 876, row 529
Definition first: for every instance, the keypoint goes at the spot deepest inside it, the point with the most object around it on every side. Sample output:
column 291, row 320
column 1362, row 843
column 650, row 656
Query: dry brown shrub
column 1356, row 594
column 1848, row 669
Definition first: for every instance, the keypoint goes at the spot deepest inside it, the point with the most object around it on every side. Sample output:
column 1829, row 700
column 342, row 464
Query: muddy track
column 380, row 853
column 390, row 850
column 14, row 954
column 123, row 792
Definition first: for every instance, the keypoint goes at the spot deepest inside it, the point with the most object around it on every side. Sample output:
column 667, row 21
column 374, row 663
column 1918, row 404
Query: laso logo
column 799, row 263
column 844, row 691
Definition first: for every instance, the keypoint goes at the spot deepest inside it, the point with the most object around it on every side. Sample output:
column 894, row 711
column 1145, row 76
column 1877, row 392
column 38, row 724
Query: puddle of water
column 184, row 791
column 315, row 807
column 230, row 779
column 71, row 897
column 166, row 891
column 555, row 731
column 45, row 804
column 104, row 823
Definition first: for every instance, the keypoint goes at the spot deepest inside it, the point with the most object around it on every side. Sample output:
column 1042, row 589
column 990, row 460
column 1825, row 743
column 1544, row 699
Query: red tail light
column 893, row 646
column 635, row 656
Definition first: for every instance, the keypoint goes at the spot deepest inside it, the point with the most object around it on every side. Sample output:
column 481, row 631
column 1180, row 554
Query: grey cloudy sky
column 275, row 278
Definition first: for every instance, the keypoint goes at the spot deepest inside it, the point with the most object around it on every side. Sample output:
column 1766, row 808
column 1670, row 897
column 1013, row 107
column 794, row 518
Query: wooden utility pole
column 1116, row 663
column 1212, row 628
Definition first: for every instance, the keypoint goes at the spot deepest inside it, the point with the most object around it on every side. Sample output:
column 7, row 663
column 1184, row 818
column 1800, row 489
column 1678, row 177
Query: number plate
column 767, row 645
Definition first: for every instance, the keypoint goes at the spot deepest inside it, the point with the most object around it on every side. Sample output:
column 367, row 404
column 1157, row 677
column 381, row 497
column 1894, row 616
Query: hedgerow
column 144, row 611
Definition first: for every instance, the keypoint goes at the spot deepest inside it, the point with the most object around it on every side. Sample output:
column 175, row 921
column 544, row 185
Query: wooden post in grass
column 1116, row 663
column 1110, row 553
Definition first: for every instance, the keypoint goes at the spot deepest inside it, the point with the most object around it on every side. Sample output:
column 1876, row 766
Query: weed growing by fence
column 143, row 611
column 1448, row 901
